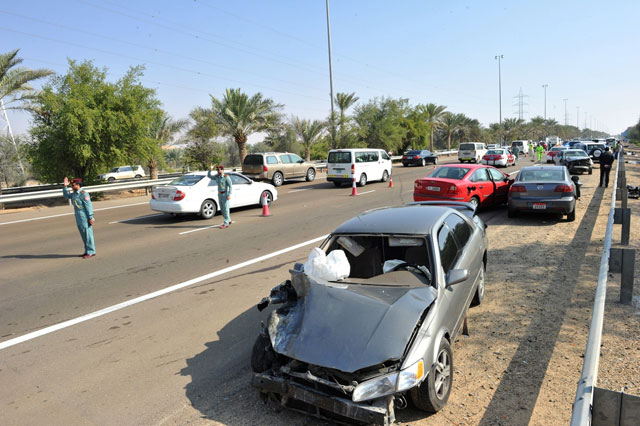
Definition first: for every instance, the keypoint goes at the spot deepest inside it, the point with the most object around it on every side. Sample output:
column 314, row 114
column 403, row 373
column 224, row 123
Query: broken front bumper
column 319, row 404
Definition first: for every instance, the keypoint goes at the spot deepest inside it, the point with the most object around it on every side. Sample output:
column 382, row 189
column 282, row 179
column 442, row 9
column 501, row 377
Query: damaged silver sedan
column 359, row 347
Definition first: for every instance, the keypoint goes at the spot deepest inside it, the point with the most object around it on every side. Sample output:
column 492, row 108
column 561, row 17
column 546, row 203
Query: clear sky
column 424, row 50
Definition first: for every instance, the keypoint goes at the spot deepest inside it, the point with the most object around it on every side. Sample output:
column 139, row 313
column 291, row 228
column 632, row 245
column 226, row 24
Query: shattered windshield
column 394, row 260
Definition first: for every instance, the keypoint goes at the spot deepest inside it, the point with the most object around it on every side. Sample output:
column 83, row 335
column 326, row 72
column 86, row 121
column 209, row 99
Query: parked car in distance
column 594, row 150
column 493, row 146
column 522, row 145
column 363, row 164
column 476, row 184
column 196, row 193
column 544, row 189
column 277, row 167
column 471, row 152
column 554, row 151
column 123, row 172
column 350, row 349
column 576, row 160
column 417, row 157
column 499, row 157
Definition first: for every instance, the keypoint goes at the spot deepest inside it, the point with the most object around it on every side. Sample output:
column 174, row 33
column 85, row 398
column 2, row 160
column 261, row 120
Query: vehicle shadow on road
column 528, row 367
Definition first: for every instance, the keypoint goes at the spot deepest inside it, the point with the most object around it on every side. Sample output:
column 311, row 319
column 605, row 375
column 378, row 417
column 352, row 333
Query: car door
column 483, row 185
column 125, row 172
column 298, row 168
column 286, row 165
column 241, row 191
column 501, row 188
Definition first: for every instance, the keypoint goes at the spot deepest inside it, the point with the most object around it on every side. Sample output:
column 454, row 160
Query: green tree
column 451, row 123
column 162, row 131
column 282, row 138
column 10, row 172
column 308, row 132
column 513, row 128
column 433, row 116
column 536, row 128
column 344, row 101
column 84, row 124
column 202, row 149
column 174, row 157
column 379, row 123
column 239, row 115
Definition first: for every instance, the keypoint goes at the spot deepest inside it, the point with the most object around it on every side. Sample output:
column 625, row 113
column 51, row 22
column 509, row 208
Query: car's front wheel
column 208, row 209
column 266, row 195
column 435, row 161
column 262, row 354
column 433, row 393
column 590, row 171
column 138, row 176
column 277, row 179
column 311, row 175
column 423, row 163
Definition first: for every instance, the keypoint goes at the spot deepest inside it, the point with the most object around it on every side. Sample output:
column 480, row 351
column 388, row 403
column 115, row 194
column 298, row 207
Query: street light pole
column 330, row 72
column 565, row 110
column 545, row 100
column 499, row 58
column 578, row 117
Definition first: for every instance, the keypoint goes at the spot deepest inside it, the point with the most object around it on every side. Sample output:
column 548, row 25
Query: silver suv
column 358, row 345
column 123, row 172
column 277, row 166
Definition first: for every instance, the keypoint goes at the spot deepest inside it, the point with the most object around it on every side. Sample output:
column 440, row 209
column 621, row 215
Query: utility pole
column 578, row 117
column 545, row 100
column 333, row 117
column 565, row 110
column 499, row 58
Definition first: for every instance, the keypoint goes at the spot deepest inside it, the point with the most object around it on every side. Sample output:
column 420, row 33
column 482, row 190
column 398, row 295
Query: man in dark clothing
column 606, row 159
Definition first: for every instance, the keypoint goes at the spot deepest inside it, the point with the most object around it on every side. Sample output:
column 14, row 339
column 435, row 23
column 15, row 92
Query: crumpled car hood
column 348, row 327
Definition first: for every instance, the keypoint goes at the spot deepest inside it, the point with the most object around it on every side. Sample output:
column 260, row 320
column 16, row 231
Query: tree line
column 83, row 125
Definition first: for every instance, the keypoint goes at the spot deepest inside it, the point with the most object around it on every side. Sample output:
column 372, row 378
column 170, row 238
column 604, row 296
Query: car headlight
column 391, row 383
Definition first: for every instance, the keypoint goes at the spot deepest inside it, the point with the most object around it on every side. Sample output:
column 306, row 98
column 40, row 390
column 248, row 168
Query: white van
column 471, row 151
column 523, row 146
column 364, row 164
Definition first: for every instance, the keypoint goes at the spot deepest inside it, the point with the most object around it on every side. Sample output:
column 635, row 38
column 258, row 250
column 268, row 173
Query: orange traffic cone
column 390, row 182
column 354, row 191
column 265, row 206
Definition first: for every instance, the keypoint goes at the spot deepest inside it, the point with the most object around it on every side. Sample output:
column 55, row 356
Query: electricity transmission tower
column 521, row 104
column 6, row 128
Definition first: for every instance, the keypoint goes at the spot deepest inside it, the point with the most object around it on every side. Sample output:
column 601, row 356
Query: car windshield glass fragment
column 456, row 173
column 187, row 180
column 339, row 157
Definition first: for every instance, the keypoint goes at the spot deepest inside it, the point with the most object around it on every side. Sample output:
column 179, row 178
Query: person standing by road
column 539, row 151
column 515, row 151
column 84, row 214
column 605, row 160
column 224, row 192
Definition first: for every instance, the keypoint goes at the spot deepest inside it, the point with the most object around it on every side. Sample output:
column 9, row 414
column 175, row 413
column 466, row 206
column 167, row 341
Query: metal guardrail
column 583, row 402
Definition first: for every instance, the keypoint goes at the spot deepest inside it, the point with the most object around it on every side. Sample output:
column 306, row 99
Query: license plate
column 539, row 206
column 163, row 195
column 433, row 188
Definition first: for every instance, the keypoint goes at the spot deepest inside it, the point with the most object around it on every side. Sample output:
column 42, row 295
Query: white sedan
column 196, row 193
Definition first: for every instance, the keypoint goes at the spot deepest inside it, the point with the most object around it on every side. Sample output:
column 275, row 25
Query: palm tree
column 308, row 131
column 537, row 127
column 161, row 132
column 512, row 128
column 343, row 101
column 15, row 87
column 451, row 123
column 239, row 115
column 433, row 115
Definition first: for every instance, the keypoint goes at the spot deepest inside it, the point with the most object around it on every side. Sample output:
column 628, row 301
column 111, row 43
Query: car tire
column 208, row 209
column 277, row 179
column 474, row 200
column 511, row 213
column 435, row 161
column 138, row 176
column 363, row 180
column 111, row 179
column 423, row 163
column 404, row 165
column 311, row 174
column 262, row 354
column 590, row 171
column 385, row 176
column 432, row 394
column 571, row 216
column 269, row 197
column 337, row 184
column 477, row 298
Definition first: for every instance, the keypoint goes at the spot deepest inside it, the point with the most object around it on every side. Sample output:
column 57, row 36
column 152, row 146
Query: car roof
column 545, row 167
column 412, row 219
column 465, row 166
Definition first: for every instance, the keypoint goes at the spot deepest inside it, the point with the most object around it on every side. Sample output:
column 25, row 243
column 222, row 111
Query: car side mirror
column 456, row 276
column 300, row 161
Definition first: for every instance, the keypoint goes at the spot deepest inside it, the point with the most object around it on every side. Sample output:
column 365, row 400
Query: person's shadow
column 38, row 256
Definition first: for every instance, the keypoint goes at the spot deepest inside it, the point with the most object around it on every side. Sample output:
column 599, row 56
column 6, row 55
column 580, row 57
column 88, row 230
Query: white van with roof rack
column 365, row 164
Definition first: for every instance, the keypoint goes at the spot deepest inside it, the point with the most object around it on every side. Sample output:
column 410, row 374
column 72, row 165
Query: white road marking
column 298, row 190
column 136, row 218
column 366, row 192
column 68, row 214
column 203, row 228
column 167, row 290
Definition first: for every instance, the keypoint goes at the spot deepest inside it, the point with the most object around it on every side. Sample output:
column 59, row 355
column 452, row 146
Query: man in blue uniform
column 84, row 214
column 224, row 192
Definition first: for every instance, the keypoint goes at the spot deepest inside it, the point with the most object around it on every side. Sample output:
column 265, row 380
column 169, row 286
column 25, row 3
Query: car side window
column 285, row 159
column 125, row 169
column 385, row 156
column 461, row 229
column 448, row 248
column 372, row 156
column 480, row 175
column 271, row 159
column 496, row 175
column 238, row 180
column 361, row 157
column 295, row 158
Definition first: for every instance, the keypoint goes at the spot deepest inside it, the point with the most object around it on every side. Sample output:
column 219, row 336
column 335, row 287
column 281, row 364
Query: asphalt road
column 151, row 362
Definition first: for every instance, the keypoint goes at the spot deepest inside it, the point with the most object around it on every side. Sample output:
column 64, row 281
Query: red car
column 477, row 184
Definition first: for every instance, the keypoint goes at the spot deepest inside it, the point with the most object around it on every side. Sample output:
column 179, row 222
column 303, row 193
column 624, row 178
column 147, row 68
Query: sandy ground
column 522, row 361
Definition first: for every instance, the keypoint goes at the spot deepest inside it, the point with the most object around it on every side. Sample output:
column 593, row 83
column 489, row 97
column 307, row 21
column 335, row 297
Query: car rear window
column 414, row 152
column 339, row 157
column 450, row 172
column 496, row 151
column 467, row 147
column 541, row 175
column 187, row 180
column 253, row 160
